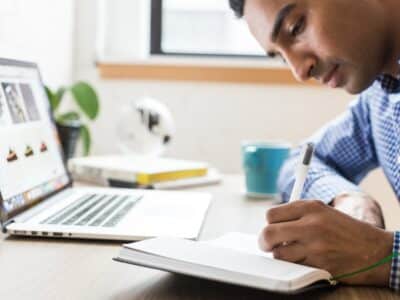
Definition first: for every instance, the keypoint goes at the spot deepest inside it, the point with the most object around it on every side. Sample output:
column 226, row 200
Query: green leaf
column 68, row 116
column 86, row 139
column 52, row 99
column 86, row 98
column 48, row 92
column 59, row 94
column 55, row 98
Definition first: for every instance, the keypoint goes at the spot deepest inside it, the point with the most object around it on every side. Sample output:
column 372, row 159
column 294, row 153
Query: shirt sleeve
column 394, row 281
column 344, row 155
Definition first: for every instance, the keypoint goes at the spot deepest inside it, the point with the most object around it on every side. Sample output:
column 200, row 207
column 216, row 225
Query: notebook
column 137, row 169
column 233, row 258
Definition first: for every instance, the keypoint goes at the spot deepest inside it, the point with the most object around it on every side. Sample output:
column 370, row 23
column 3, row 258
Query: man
column 354, row 45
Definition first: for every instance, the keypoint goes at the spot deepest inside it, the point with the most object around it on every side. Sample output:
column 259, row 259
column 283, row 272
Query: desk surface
column 71, row 269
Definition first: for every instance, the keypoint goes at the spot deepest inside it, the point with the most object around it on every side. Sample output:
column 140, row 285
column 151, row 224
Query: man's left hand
column 317, row 235
column 361, row 207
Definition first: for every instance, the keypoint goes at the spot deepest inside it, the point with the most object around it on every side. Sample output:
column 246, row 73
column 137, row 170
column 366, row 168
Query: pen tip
column 308, row 154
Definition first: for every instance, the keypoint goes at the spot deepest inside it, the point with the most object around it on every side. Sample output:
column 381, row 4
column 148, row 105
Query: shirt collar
column 389, row 83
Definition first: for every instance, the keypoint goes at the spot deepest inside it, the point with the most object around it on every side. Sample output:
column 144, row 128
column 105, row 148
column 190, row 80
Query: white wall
column 213, row 118
column 119, row 18
column 39, row 31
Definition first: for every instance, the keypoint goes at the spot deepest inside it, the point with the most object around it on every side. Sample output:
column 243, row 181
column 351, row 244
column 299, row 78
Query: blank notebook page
column 242, row 242
column 215, row 256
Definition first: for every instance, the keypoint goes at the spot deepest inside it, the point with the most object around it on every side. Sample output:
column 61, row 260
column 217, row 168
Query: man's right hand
column 317, row 235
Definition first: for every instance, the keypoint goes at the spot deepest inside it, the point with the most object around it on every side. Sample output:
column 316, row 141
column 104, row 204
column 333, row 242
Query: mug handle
column 251, row 159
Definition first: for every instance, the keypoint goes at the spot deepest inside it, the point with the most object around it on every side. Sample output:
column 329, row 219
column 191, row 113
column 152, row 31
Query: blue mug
column 262, row 162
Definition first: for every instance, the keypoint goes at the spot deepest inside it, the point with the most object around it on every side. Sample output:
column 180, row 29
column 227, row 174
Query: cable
column 375, row 265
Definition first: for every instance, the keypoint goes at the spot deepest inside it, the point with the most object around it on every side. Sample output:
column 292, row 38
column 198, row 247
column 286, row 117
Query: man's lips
column 331, row 77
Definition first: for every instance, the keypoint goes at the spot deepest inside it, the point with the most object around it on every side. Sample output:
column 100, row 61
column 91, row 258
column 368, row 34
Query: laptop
column 36, row 193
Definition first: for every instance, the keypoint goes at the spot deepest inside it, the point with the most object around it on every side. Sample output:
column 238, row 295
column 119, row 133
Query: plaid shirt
column 363, row 138
column 395, row 270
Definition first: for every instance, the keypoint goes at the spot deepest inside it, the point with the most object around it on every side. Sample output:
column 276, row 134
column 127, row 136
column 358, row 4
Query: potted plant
column 71, row 124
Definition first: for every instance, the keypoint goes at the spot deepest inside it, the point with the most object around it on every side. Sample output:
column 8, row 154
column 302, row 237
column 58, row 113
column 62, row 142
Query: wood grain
column 228, row 74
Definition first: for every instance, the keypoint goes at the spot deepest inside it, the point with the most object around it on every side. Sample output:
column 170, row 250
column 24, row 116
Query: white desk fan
column 145, row 127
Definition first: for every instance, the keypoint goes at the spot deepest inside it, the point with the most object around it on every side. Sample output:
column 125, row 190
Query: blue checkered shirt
column 363, row 138
column 394, row 271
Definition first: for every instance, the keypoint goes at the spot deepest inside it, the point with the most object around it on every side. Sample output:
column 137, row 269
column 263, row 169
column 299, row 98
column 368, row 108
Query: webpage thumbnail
column 21, row 102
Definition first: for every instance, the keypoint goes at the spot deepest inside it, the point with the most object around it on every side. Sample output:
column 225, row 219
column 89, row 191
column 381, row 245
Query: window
column 200, row 27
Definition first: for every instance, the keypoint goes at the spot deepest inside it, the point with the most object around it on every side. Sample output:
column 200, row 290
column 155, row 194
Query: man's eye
column 276, row 55
column 298, row 27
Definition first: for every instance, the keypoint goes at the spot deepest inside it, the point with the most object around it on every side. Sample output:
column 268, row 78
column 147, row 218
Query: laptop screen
column 31, row 165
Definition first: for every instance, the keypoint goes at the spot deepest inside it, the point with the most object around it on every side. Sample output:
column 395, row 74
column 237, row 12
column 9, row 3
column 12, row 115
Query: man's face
column 341, row 43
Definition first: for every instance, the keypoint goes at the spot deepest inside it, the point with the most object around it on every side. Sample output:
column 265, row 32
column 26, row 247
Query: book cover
column 142, row 170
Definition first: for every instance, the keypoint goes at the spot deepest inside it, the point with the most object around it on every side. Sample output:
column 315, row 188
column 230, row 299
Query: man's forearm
column 360, row 206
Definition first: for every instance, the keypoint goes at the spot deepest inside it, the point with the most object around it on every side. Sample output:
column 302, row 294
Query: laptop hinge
column 5, row 224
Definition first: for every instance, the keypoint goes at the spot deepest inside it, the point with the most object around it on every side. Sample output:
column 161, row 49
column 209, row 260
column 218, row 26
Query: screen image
column 31, row 164
column 14, row 102
column 29, row 100
column 3, row 112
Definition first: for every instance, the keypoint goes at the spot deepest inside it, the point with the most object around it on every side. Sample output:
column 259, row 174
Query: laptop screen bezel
column 7, row 217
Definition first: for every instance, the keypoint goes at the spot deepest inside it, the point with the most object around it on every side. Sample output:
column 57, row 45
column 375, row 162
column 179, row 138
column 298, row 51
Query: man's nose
column 303, row 67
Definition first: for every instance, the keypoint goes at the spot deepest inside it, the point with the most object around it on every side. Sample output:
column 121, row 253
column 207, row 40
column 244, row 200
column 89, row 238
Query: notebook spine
column 5, row 224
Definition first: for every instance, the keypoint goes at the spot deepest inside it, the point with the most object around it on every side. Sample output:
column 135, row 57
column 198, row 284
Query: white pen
column 301, row 172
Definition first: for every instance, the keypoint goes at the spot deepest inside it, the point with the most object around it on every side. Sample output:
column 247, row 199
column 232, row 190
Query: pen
column 301, row 172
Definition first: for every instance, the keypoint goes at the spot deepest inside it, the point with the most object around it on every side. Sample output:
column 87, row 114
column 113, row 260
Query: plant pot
column 69, row 133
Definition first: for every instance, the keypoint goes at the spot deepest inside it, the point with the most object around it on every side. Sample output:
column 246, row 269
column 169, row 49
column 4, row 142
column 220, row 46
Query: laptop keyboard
column 94, row 210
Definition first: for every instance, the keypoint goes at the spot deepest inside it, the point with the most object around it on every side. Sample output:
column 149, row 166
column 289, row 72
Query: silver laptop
column 36, row 194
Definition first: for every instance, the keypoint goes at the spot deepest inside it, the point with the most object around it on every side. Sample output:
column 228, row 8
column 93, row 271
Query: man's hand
column 361, row 207
column 317, row 235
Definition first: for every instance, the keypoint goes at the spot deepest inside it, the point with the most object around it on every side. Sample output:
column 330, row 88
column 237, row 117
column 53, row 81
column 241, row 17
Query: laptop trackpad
column 167, row 215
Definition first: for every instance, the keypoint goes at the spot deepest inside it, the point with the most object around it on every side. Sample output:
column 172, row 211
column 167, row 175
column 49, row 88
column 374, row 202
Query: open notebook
column 233, row 258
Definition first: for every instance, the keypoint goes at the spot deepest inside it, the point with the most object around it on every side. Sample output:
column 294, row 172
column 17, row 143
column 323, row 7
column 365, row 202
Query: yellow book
column 142, row 170
column 143, row 178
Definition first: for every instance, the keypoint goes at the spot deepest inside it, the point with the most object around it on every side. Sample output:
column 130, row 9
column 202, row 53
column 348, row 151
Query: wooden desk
column 71, row 269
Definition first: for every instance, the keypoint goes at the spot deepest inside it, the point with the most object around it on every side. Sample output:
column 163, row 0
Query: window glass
column 205, row 27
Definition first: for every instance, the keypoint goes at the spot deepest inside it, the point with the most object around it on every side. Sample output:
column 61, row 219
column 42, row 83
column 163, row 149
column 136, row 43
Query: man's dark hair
column 238, row 7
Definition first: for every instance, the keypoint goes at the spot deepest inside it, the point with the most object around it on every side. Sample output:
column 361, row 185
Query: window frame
column 156, row 19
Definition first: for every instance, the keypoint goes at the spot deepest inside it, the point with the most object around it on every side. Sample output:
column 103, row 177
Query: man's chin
column 353, row 91
column 357, row 88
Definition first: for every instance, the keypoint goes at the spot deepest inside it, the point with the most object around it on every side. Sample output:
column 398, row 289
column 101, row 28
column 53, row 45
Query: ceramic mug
column 262, row 162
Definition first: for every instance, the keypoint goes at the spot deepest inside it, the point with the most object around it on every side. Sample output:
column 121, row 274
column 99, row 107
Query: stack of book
column 136, row 171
